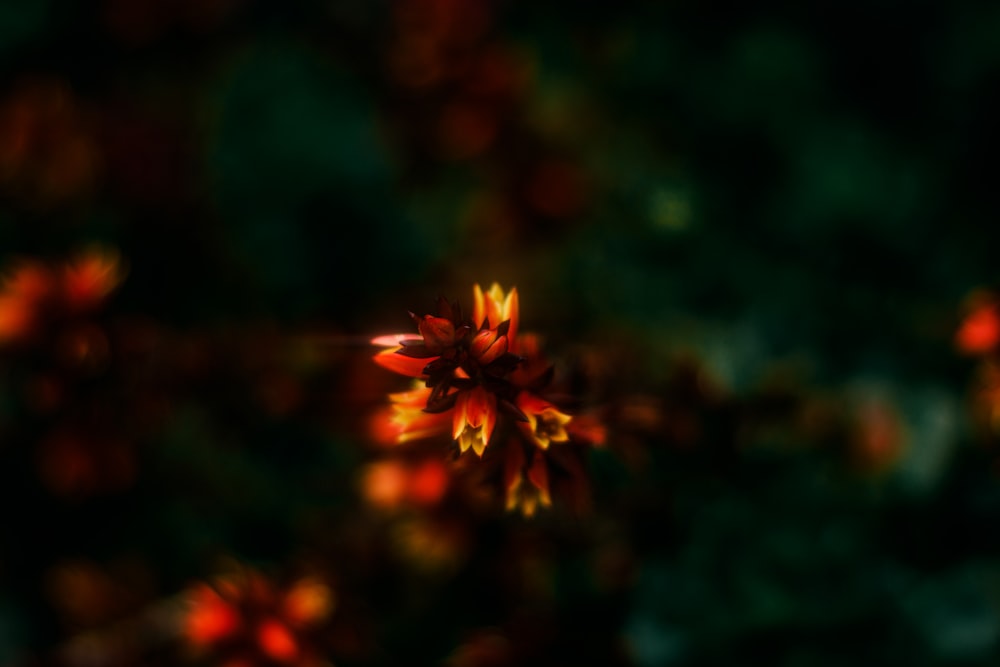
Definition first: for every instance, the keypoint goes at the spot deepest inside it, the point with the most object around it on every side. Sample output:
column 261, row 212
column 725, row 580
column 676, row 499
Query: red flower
column 545, row 423
column 475, row 418
column 465, row 374
column 979, row 332
column 488, row 383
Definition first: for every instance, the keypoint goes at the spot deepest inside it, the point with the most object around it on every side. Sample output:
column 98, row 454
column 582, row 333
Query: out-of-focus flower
column 33, row 292
column 211, row 618
column 383, row 484
column 527, row 486
column 91, row 276
column 277, row 641
column 308, row 602
column 245, row 616
column 22, row 293
column 545, row 423
column 879, row 435
column 979, row 332
column 390, row 484
column 431, row 544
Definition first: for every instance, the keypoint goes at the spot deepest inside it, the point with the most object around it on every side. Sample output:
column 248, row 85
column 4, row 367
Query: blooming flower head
column 485, row 384
column 464, row 365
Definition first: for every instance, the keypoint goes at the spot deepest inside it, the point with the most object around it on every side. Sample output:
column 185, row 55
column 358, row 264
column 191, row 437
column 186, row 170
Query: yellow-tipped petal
column 545, row 423
column 478, row 306
column 472, row 437
column 511, row 312
column 459, row 420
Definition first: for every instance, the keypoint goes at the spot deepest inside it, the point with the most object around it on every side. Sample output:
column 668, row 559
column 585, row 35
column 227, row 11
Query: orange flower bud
column 487, row 346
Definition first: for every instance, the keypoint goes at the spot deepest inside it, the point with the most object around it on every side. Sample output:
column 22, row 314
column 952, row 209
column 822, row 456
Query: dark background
column 745, row 231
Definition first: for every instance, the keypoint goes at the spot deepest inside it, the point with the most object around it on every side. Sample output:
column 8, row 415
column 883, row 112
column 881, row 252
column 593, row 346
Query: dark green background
column 792, row 199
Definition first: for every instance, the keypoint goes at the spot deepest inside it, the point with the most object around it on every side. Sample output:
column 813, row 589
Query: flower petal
column 477, row 406
column 480, row 442
column 478, row 306
column 511, row 307
column 459, row 420
column 398, row 363
column 490, row 418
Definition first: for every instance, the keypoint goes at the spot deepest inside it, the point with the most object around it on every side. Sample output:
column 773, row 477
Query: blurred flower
column 527, row 486
column 211, row 618
column 879, row 436
column 431, row 544
column 32, row 291
column 390, row 484
column 545, row 423
column 307, row 602
column 22, row 294
column 245, row 617
column 91, row 276
column 979, row 332
column 383, row 484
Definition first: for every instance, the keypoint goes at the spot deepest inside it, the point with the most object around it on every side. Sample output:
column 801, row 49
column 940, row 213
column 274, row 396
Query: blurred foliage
column 744, row 231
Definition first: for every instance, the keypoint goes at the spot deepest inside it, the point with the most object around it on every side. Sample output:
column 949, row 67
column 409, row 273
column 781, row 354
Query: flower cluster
column 245, row 619
column 33, row 293
column 484, row 382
